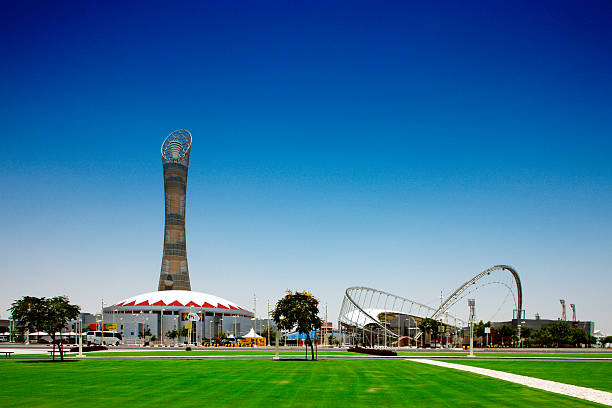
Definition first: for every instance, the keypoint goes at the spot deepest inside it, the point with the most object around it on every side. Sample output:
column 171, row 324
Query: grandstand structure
column 373, row 317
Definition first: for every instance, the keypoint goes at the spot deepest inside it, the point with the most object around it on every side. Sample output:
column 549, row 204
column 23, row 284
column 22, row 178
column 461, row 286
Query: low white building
column 163, row 311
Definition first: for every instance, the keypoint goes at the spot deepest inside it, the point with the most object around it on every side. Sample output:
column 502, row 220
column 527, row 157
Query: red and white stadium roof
column 177, row 299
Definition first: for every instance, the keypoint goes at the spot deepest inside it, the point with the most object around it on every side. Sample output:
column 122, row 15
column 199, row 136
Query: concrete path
column 589, row 394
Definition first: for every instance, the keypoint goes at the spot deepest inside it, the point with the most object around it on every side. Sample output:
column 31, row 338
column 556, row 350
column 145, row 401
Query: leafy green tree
column 542, row 337
column 28, row 313
column 183, row 332
column 578, row 336
column 560, row 332
column 506, row 332
column 298, row 311
column 525, row 335
column 50, row 315
column 428, row 325
column 479, row 330
column 172, row 334
column 606, row 340
column 333, row 340
column 147, row 333
column 272, row 332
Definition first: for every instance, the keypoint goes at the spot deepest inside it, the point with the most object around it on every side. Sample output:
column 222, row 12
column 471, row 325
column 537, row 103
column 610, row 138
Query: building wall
column 131, row 324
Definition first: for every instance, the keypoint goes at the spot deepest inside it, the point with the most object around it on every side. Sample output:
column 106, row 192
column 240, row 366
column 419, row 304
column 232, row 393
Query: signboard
column 188, row 324
column 487, row 330
column 193, row 317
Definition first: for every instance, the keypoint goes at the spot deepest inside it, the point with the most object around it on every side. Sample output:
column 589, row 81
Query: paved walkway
column 589, row 394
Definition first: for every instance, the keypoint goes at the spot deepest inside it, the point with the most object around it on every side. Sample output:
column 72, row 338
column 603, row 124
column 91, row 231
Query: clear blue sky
column 401, row 146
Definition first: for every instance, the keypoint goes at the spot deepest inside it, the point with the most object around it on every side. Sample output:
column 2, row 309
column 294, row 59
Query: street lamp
column 519, row 333
column 161, row 335
column 472, row 305
column 210, row 331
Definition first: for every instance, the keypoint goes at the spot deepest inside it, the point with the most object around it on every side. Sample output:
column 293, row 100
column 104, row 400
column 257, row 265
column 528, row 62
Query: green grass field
column 259, row 352
column 225, row 351
column 337, row 383
column 596, row 375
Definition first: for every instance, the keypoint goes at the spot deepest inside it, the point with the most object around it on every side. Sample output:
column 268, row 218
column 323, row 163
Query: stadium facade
column 373, row 317
column 174, row 304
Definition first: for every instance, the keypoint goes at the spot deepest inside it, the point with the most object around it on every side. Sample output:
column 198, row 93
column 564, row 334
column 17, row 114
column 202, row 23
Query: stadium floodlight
column 472, row 305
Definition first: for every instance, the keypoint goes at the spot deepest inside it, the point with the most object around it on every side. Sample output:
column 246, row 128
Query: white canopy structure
column 251, row 334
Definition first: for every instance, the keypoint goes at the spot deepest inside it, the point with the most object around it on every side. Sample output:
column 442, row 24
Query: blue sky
column 401, row 146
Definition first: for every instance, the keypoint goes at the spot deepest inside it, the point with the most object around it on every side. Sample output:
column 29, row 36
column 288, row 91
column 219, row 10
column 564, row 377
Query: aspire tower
column 175, row 153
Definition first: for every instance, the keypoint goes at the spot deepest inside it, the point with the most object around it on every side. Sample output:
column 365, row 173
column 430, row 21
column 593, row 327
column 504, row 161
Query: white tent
column 251, row 334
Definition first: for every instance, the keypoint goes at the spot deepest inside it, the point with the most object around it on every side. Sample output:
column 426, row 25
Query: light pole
column 161, row 331
column 472, row 305
column 102, row 319
column 142, row 317
column 519, row 333
column 268, row 343
column 80, row 333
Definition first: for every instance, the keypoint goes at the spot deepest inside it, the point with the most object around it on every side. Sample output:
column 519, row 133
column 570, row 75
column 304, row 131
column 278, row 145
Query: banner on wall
column 191, row 317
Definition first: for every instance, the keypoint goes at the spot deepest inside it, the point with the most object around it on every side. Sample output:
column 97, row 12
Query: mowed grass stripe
column 591, row 374
column 256, row 383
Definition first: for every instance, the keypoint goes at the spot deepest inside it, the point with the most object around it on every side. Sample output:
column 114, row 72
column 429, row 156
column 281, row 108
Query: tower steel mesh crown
column 175, row 152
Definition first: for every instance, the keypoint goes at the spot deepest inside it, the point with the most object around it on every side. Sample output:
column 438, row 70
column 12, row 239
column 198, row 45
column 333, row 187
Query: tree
column 606, row 340
column 183, row 332
column 479, row 330
column 427, row 325
column 543, row 337
column 578, row 336
column 172, row 334
column 525, row 335
column 299, row 311
column 506, row 331
column 560, row 332
column 332, row 340
column 147, row 333
column 272, row 332
column 50, row 315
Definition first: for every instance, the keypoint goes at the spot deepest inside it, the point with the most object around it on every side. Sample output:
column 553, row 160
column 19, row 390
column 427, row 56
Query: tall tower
column 175, row 152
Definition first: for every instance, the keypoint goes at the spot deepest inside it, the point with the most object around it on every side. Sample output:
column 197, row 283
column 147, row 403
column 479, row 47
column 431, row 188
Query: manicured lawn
column 244, row 383
column 220, row 352
column 592, row 374
column 556, row 355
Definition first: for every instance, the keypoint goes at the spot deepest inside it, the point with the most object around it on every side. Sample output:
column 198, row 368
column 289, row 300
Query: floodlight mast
column 175, row 152
column 472, row 305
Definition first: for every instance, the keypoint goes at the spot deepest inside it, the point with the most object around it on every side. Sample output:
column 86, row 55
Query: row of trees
column 557, row 334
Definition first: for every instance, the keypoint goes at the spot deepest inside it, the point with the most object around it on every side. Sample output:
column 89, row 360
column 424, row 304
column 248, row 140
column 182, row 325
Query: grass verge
column 591, row 374
column 254, row 383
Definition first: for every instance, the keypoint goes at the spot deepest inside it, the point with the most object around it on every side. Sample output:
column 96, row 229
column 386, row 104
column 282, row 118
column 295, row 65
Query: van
column 103, row 338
